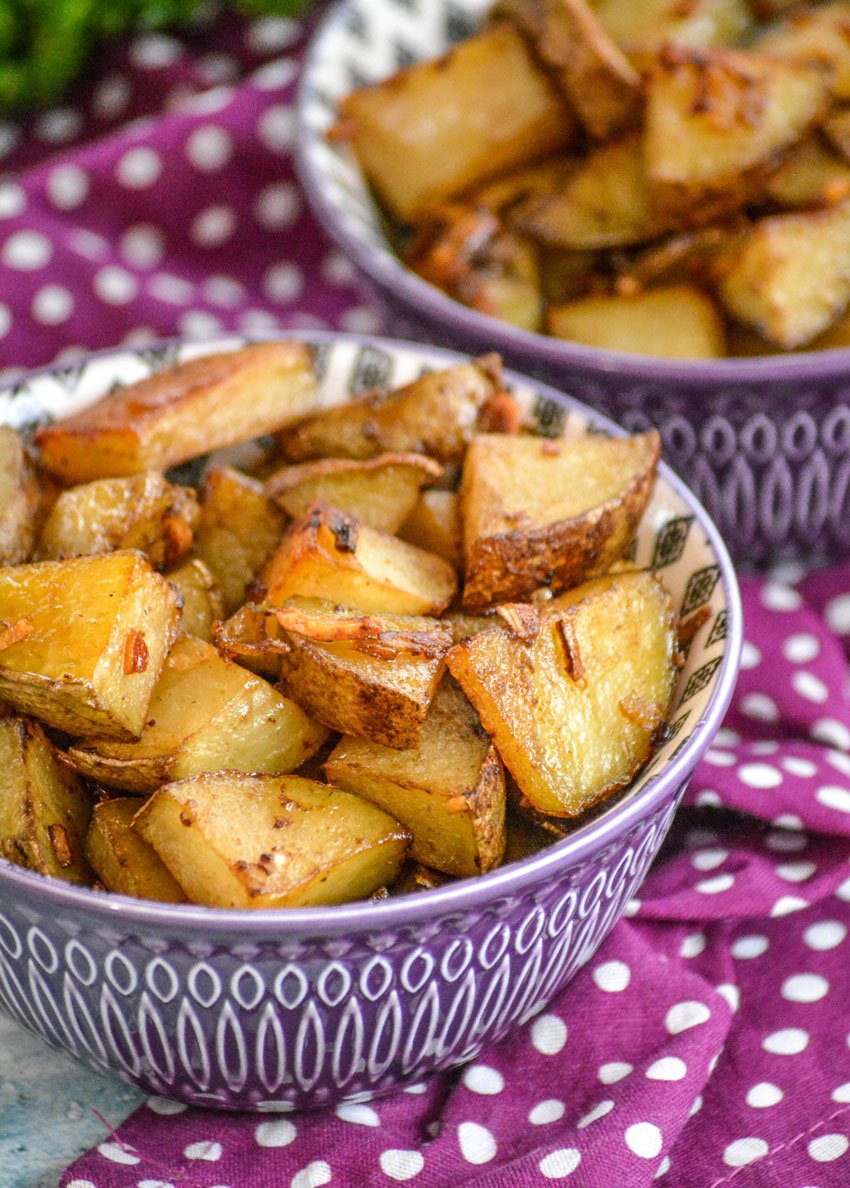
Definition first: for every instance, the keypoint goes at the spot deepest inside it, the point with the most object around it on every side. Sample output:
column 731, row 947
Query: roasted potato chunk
column 122, row 861
column 482, row 109
column 329, row 554
column 642, row 26
column 84, row 641
column 44, row 808
column 379, row 491
column 202, row 601
column 449, row 790
column 253, row 639
column 238, row 530
column 673, row 322
column 811, row 175
column 436, row 414
column 206, row 714
column 245, row 841
column 434, row 525
column 20, row 500
column 539, row 512
column 575, row 713
column 143, row 512
column 190, row 409
column 820, row 34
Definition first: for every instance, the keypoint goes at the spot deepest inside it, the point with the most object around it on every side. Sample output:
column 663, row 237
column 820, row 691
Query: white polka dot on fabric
column 111, row 97
column 361, row 319
column 805, row 987
column 258, row 321
column 715, row 886
column 786, row 904
column 165, row 1107
column 52, row 305
column 67, row 186
column 842, row 1093
column 58, row 126
column 143, row 245
column 206, row 1150
column 415, row 1089
column 209, row 147
column 173, row 290
column 283, row 282
column 401, row 1165
column 807, row 685
column 217, row 68
column 759, row 706
column 795, row 872
column 765, row 746
column 115, row 285
column 139, row 167
column 801, row 648
column 213, row 226
column 834, row 797
column 276, row 128
column 279, row 1133
column 89, row 244
column 708, row 798
column 837, row 614
column 720, row 758
column 700, row 835
column 154, row 51
column 825, row 935
column 270, row 34
column 828, row 1147
column 27, row 251
column 609, row 1074
column 278, row 206
column 560, row 1163
column 482, row 1079
column 696, row 1107
column 598, row 1111
column 477, row 1144
column 839, row 760
column 548, row 1034
column 198, row 323
column 750, row 655
column 612, row 976
column 337, row 269
column 784, row 840
column 685, row 1015
column 547, row 1111
column 709, row 859
column 796, row 766
column 80, row 1184
column 357, row 1114
column 692, row 945
column 644, row 1139
column 778, row 597
column 763, row 1095
column 759, row 775
column 632, row 908
column 667, row 1068
column 275, row 75
column 13, row 200
column 731, row 993
column 788, row 1041
column 117, row 1153
column 224, row 290
column 314, row 1175
column 832, row 732
column 842, row 891
column 744, row 1151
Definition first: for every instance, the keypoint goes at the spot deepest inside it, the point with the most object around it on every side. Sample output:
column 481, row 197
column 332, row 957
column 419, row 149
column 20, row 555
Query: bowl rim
column 387, row 271
column 463, row 895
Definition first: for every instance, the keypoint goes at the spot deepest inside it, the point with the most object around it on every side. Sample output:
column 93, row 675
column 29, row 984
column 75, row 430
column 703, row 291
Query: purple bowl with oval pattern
column 277, row 1010
column 764, row 443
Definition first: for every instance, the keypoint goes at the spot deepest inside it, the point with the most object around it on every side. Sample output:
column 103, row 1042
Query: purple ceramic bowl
column 764, row 443
column 275, row 1010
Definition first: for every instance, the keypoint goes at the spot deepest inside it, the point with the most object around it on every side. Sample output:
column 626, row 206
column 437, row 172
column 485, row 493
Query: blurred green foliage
column 44, row 44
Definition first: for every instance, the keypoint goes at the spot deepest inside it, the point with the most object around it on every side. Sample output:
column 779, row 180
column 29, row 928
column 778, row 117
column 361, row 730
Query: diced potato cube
column 245, row 841
column 202, row 601
column 434, row 525
column 177, row 414
column 86, row 641
column 670, row 322
column 19, row 500
column 122, row 861
column 811, row 175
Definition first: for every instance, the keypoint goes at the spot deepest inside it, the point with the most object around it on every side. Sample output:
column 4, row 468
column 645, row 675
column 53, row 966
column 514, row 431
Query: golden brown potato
column 234, row 840
column 811, row 175
column 594, row 74
column 815, row 34
column 206, row 714
column 251, row 637
column 143, row 512
column 379, row 491
column 44, row 809
column 375, row 678
column 792, row 277
column 83, row 641
column 434, row 525
column 202, row 600
column 329, row 554
column 436, row 414
column 549, row 513
column 641, row 26
column 19, row 500
column 673, row 322
column 177, row 414
column 576, row 712
column 449, row 790
column 481, row 110
column 238, row 530
column 122, row 861
column 716, row 123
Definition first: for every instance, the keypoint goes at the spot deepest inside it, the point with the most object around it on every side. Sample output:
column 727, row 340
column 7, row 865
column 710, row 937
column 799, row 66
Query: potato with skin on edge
column 434, row 525
column 245, row 841
column 122, row 861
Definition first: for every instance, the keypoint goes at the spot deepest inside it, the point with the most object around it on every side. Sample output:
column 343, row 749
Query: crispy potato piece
column 576, row 713
column 434, row 525
column 381, row 693
column 716, row 123
column 792, row 277
column 122, row 861
column 245, row 841
column 436, row 414
column 819, row 34
column 251, row 638
column 604, row 203
column 379, row 491
column 19, row 500
column 464, row 626
column 673, row 322
column 44, row 809
column 549, row 513
column 190, row 409
column 642, row 26
column 238, row 530
column 449, row 790
column 482, row 109
column 89, row 637
column 203, row 603
column 143, row 512
column 329, row 554
column 206, row 714
column 811, row 175
column 594, row 74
